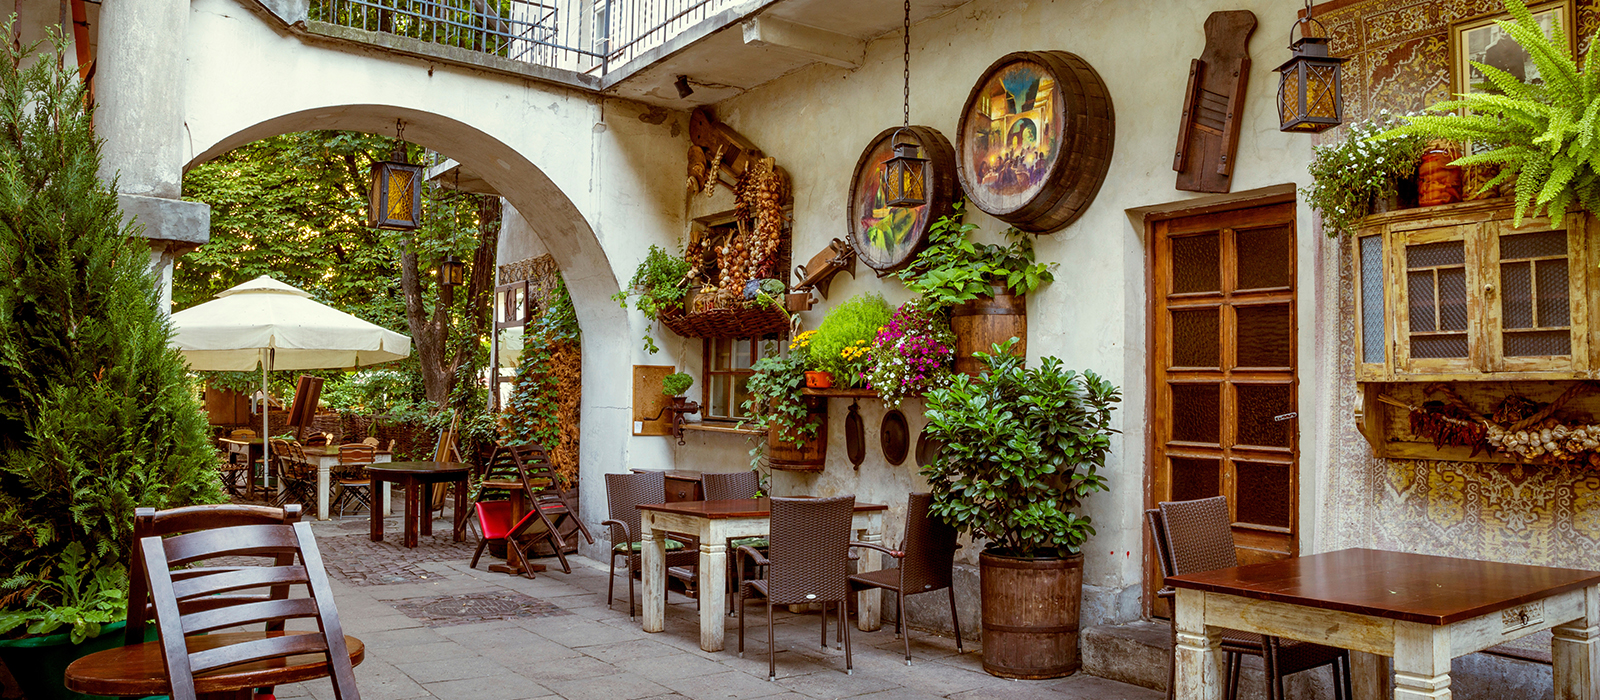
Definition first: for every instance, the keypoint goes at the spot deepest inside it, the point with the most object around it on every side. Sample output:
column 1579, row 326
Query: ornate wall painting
column 887, row 238
column 1035, row 139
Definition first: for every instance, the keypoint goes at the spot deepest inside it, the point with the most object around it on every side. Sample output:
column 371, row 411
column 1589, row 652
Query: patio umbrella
column 277, row 326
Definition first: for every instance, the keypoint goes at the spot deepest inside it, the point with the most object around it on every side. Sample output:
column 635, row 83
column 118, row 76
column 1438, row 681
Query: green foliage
column 953, row 270
column 1347, row 176
column 676, row 384
column 776, row 405
column 97, row 414
column 842, row 342
column 371, row 391
column 658, row 287
column 1021, row 450
column 531, row 412
column 1545, row 137
column 80, row 598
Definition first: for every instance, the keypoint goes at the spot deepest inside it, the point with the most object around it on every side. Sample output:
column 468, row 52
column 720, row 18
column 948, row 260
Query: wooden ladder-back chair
column 493, row 516
column 354, row 483
column 807, row 562
column 548, row 511
column 727, row 487
column 1196, row 536
column 624, row 494
column 926, row 559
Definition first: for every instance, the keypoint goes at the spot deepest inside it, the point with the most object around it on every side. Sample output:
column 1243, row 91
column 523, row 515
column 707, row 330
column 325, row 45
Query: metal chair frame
column 925, row 559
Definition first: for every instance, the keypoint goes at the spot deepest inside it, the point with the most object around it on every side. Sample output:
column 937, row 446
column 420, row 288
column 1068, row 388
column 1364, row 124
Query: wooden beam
column 815, row 44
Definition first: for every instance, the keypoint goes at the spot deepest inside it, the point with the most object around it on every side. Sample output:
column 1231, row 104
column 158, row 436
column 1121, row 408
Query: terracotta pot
column 819, row 380
column 1438, row 182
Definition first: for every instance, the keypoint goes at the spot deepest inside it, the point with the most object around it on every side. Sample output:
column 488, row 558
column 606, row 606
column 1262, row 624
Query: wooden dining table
column 412, row 477
column 1420, row 610
column 139, row 670
column 325, row 458
column 249, row 450
column 715, row 522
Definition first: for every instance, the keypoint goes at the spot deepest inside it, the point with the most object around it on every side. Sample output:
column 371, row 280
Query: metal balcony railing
column 585, row 36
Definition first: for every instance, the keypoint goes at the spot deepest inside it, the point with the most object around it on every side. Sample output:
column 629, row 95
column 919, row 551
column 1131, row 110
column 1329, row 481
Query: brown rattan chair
column 1196, row 536
column 926, row 558
column 807, row 562
column 727, row 487
column 297, row 474
column 186, row 602
column 548, row 512
column 355, row 486
column 624, row 494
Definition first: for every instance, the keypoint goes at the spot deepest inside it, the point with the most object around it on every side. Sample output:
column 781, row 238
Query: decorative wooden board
column 1208, row 136
column 855, row 437
column 1035, row 139
column 896, row 436
column 886, row 238
column 648, row 418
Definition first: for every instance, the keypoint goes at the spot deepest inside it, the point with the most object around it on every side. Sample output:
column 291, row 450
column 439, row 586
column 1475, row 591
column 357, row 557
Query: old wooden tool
column 1208, row 136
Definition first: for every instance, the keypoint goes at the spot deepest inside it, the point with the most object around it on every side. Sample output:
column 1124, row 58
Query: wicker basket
column 748, row 322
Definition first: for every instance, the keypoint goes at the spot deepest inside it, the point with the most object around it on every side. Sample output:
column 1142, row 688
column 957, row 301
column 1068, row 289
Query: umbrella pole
column 266, row 406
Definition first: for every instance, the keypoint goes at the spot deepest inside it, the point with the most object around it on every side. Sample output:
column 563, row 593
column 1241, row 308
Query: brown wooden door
column 1223, row 373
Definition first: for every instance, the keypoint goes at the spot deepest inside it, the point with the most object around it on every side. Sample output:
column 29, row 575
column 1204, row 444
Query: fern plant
column 1544, row 137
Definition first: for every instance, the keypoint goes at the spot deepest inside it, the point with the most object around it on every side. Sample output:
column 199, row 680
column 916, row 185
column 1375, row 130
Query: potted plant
column 840, row 346
column 676, row 384
column 911, row 354
column 657, row 288
column 1021, row 450
column 1357, row 176
column 982, row 286
column 795, row 425
column 815, row 379
column 97, row 414
column 1541, row 136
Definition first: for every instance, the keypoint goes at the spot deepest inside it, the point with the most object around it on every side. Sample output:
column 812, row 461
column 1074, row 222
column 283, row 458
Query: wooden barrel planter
column 1030, row 615
column 982, row 323
column 783, row 455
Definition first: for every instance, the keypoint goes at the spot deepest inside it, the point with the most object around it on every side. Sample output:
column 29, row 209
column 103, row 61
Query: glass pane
column 1439, row 346
column 1195, row 412
column 742, row 351
column 741, row 394
column 1516, row 295
column 1554, row 307
column 1265, row 335
column 1419, row 290
column 719, row 395
column 1533, row 245
column 1264, row 493
column 1453, row 299
column 721, row 353
column 1196, row 264
column 1538, row 343
column 1436, row 254
column 1259, row 404
column 1372, row 299
column 1195, row 478
column 1196, row 339
column 1264, row 256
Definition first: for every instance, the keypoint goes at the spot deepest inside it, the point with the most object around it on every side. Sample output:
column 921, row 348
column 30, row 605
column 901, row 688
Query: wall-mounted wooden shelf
column 1387, row 428
column 836, row 393
column 702, row 427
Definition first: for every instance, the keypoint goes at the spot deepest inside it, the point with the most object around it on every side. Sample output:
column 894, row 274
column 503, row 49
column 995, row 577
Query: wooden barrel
column 1030, row 615
column 939, row 174
column 1035, row 139
column 983, row 322
column 782, row 454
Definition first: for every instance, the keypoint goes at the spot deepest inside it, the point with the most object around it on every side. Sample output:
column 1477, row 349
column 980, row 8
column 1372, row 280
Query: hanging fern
column 1543, row 136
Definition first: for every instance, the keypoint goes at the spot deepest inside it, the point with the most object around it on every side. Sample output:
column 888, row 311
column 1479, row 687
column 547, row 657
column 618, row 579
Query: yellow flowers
column 802, row 341
column 855, row 351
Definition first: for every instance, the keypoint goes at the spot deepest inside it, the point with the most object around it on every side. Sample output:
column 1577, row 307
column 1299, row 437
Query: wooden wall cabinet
column 1455, row 293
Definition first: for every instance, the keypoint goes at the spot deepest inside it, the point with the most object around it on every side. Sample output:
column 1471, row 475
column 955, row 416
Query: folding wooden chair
column 547, row 509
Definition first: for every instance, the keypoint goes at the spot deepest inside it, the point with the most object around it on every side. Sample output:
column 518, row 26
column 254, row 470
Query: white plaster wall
column 817, row 120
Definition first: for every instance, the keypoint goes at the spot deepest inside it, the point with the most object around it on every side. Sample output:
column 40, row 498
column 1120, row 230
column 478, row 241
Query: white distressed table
column 714, row 522
column 326, row 458
column 1420, row 610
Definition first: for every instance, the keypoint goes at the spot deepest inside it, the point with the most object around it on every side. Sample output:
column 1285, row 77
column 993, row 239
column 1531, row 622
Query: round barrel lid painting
column 887, row 238
column 1013, row 134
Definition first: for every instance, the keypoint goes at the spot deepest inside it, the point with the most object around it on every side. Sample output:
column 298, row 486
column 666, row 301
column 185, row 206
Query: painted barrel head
column 887, row 238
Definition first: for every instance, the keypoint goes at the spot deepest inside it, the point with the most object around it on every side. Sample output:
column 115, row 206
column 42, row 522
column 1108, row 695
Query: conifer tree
column 97, row 413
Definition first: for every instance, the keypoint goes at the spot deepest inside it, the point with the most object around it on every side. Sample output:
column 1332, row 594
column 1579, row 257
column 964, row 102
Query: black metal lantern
column 452, row 272
column 1309, row 99
column 904, row 184
column 395, row 200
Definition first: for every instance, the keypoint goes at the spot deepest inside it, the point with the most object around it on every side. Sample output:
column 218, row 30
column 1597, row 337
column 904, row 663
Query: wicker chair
column 808, row 563
column 354, row 484
column 926, row 558
column 624, row 494
column 727, row 487
column 1195, row 536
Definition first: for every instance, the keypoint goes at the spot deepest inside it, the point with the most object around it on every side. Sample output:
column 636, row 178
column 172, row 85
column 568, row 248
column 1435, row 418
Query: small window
column 1436, row 283
column 1534, row 302
column 728, row 362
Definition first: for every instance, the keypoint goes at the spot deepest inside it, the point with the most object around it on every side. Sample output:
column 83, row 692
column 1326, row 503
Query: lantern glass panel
column 903, row 179
column 1322, row 90
column 401, row 183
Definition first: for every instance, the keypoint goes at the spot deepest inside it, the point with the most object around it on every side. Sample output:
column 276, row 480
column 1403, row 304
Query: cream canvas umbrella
column 268, row 323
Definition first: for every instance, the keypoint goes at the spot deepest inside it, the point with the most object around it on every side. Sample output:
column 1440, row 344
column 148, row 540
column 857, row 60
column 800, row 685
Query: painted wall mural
column 1013, row 134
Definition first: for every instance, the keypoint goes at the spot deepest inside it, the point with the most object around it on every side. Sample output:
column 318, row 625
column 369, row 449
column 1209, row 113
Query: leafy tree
column 97, row 415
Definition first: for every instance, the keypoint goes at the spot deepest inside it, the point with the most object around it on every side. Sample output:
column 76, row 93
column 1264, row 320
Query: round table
column 139, row 670
column 412, row 476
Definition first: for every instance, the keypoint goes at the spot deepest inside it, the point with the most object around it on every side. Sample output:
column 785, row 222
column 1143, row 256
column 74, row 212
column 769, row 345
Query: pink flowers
column 912, row 353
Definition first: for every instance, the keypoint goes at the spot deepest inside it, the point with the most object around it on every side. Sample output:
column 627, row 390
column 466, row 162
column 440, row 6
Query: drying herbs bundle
column 1518, row 427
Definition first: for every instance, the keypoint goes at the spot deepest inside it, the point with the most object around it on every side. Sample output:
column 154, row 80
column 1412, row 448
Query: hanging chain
column 907, row 91
column 400, row 141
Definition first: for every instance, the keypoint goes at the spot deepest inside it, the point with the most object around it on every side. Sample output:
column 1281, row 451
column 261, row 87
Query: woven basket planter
column 752, row 322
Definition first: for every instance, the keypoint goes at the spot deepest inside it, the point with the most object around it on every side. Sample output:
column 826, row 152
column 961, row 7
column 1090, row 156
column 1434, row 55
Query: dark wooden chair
column 191, row 599
column 925, row 559
column 807, row 562
column 548, row 513
column 726, row 487
column 355, row 485
column 1196, row 536
column 624, row 494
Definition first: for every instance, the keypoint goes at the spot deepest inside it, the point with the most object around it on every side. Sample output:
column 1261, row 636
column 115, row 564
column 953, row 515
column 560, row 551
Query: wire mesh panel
column 1535, row 301
column 1372, row 339
column 1436, row 291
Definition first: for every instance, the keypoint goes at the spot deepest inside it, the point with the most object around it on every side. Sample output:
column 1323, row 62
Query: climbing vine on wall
column 545, row 399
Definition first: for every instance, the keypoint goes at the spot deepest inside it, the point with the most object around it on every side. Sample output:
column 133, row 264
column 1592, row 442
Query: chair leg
column 1231, row 673
column 1338, row 682
column 741, row 621
column 955, row 620
column 824, row 625
column 899, row 619
column 772, row 647
column 1274, row 679
column 1172, row 660
column 630, row 587
column 482, row 545
column 611, row 581
column 844, row 615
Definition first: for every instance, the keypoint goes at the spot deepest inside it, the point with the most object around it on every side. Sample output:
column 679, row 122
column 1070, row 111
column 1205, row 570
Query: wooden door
column 1223, row 373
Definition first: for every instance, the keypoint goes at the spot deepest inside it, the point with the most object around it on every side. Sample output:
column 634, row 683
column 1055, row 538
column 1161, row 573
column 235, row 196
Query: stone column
column 139, row 99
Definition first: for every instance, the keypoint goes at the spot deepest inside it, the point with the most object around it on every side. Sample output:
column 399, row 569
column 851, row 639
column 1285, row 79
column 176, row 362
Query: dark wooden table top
column 736, row 508
column 409, row 468
column 140, row 670
column 1394, row 585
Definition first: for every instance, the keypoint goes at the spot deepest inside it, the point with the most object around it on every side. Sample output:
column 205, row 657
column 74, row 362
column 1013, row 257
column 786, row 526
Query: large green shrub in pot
column 1021, row 449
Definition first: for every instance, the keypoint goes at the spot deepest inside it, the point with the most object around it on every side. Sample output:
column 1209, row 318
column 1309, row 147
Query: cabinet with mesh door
column 1455, row 292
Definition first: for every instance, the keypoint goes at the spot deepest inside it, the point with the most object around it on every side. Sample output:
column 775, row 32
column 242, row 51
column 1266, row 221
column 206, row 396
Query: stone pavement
column 435, row 628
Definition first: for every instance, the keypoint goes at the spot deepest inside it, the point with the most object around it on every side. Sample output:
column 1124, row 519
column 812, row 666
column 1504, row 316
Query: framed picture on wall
column 1481, row 40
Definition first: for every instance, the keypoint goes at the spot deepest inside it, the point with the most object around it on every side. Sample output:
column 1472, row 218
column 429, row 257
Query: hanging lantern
column 1309, row 100
column 904, row 184
column 452, row 272
column 395, row 200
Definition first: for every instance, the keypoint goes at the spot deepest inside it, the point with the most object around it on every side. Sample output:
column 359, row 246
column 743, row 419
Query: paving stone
column 468, row 608
column 834, row 684
column 617, row 686
column 631, row 649
column 679, row 664
column 505, row 687
column 550, row 671
column 577, row 632
column 399, row 637
column 433, row 651
column 723, row 686
column 454, row 669
column 1080, row 686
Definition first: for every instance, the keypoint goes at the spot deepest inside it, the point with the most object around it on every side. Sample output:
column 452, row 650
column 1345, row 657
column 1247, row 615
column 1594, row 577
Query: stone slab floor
column 435, row 628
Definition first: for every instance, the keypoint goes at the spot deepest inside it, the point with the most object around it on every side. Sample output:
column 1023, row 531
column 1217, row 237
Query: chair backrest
column 538, row 475
column 356, row 453
column 626, row 492
column 149, row 522
column 242, row 434
column 372, row 442
column 1158, row 534
column 318, row 439
column 185, row 600
column 930, row 547
column 809, row 549
column 725, row 487
column 1199, row 535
